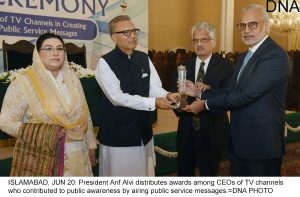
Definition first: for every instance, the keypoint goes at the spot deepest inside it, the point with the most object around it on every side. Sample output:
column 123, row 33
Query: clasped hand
column 166, row 103
column 195, row 107
column 194, row 90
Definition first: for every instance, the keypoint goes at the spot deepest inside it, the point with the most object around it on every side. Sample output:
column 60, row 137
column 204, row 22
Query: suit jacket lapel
column 191, row 69
column 253, row 59
column 210, row 69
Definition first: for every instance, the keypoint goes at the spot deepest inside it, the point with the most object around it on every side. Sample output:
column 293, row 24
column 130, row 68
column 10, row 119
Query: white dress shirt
column 197, row 66
column 141, row 160
column 110, row 85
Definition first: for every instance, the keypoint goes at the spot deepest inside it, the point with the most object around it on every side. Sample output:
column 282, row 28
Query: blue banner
column 76, row 21
column 25, row 25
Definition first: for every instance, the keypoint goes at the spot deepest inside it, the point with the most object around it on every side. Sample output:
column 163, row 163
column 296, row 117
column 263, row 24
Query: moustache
column 200, row 48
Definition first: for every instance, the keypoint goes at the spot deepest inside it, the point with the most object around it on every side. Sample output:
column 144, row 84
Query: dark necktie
column 200, row 77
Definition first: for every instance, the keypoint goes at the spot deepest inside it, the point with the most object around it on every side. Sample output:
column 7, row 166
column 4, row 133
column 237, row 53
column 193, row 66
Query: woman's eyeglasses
column 51, row 49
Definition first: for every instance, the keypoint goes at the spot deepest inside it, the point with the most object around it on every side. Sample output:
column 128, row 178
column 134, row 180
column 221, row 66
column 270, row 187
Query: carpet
column 291, row 160
column 290, row 164
column 168, row 166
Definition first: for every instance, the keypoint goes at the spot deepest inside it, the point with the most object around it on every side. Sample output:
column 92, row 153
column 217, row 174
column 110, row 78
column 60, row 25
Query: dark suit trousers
column 261, row 167
column 192, row 153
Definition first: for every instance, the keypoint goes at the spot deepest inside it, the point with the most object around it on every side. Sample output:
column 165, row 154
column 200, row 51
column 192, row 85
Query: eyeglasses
column 127, row 33
column 251, row 25
column 51, row 49
column 203, row 40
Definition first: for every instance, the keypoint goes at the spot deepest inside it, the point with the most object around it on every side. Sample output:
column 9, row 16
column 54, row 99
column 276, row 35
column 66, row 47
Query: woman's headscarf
column 74, row 116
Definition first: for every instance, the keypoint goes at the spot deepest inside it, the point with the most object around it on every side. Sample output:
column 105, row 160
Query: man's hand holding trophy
column 188, row 88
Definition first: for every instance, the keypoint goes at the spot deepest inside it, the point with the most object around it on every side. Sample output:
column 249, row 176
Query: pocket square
column 145, row 75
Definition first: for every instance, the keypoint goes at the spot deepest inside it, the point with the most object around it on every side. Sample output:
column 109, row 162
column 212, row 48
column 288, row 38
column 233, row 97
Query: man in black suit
column 201, row 137
column 255, row 97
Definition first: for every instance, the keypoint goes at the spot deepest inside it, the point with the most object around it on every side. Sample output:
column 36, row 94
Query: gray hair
column 205, row 26
column 259, row 8
column 116, row 20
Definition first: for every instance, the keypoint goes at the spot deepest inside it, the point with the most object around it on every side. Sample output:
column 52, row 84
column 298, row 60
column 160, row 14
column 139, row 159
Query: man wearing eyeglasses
column 255, row 97
column 132, row 89
column 202, row 136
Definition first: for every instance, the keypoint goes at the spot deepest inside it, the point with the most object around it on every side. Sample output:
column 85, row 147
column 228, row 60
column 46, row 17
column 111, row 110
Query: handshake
column 178, row 101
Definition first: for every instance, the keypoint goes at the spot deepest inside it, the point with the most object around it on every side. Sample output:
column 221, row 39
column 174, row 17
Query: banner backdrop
column 77, row 21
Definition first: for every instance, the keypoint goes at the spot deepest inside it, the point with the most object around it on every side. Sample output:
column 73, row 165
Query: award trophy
column 182, row 101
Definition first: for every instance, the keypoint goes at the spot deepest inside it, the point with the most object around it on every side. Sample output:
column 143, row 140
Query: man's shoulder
column 270, row 48
column 188, row 62
column 140, row 53
column 272, row 45
column 110, row 53
column 219, row 57
column 221, row 60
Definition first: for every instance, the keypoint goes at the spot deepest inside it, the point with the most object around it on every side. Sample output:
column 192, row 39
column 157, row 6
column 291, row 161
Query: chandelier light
column 286, row 18
column 123, row 5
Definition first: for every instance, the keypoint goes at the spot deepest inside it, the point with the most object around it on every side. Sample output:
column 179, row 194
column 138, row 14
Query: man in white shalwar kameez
column 131, row 90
